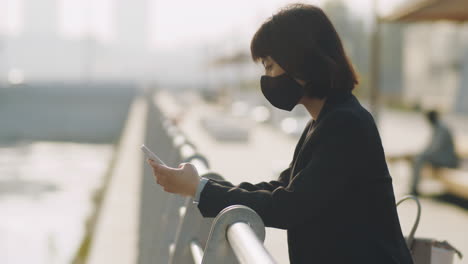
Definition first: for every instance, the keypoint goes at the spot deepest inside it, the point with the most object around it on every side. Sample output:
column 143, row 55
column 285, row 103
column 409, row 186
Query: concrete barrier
column 115, row 239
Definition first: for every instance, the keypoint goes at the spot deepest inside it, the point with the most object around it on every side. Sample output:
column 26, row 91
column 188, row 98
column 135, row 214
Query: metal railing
column 172, row 229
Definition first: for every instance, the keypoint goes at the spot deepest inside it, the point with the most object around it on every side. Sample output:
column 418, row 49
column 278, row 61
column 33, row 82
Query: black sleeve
column 283, row 181
column 322, row 180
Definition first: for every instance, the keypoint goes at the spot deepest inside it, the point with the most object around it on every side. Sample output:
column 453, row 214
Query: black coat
column 337, row 203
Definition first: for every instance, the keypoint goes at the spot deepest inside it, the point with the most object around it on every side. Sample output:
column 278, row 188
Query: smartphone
column 151, row 155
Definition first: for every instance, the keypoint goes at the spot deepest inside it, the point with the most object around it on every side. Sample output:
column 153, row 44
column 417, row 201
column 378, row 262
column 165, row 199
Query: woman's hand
column 183, row 180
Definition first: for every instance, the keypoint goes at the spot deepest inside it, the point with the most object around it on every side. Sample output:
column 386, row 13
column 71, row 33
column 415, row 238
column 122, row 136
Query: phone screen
column 150, row 154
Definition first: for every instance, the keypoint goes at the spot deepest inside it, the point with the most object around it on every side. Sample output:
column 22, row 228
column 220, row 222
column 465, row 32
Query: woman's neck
column 313, row 105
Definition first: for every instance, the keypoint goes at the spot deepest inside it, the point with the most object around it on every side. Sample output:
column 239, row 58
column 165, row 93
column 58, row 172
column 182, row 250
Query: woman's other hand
column 182, row 180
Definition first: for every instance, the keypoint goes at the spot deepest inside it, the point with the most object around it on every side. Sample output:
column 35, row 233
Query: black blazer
column 336, row 198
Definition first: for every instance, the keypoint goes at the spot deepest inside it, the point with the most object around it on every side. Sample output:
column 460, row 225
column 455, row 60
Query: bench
column 455, row 181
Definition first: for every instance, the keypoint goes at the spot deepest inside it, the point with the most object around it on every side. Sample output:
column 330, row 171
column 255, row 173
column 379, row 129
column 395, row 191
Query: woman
column 335, row 199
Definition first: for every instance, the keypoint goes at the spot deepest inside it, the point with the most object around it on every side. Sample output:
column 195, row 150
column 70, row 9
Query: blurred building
column 436, row 66
column 128, row 57
column 391, row 63
column 435, row 54
column 40, row 53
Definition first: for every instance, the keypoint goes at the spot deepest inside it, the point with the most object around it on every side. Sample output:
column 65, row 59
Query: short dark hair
column 303, row 41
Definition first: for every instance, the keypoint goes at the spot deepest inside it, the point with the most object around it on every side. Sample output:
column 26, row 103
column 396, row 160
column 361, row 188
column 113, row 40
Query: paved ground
column 258, row 160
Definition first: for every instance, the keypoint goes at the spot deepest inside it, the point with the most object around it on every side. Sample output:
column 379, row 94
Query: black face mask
column 281, row 91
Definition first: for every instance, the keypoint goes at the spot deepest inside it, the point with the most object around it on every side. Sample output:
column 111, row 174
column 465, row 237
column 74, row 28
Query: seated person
column 440, row 153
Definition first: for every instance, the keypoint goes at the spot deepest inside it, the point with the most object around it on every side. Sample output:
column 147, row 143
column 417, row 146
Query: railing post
column 238, row 233
column 192, row 227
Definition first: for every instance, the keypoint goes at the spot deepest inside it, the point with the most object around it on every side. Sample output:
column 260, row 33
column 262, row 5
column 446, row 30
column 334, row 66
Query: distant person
column 335, row 199
column 440, row 153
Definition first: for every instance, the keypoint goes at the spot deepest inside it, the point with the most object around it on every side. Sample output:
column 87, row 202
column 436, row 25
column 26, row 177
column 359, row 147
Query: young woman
column 335, row 199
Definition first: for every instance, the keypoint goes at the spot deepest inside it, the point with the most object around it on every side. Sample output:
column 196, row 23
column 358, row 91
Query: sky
column 170, row 23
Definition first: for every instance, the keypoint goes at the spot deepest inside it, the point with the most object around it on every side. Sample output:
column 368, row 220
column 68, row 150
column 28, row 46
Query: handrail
column 246, row 244
column 237, row 232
